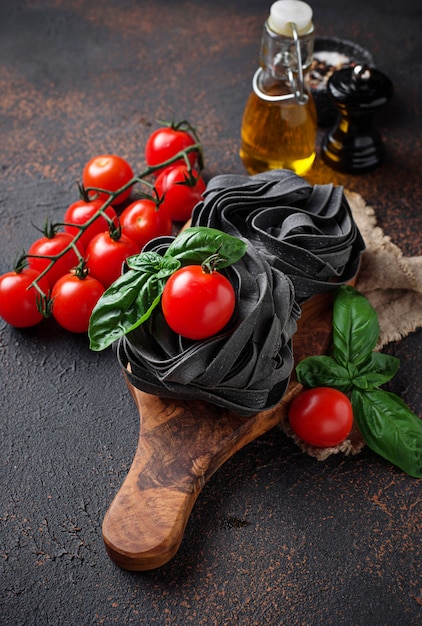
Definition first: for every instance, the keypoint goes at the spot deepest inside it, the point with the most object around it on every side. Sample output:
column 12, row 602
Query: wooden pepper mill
column 353, row 145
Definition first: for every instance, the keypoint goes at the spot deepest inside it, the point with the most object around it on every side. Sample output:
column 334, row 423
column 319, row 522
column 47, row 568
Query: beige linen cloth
column 393, row 285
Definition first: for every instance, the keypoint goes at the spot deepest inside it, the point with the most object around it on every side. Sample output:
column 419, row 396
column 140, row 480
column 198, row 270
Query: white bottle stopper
column 284, row 12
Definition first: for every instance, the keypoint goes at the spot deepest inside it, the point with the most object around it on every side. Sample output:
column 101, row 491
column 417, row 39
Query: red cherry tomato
column 110, row 172
column 321, row 416
column 18, row 301
column 142, row 221
column 73, row 301
column 52, row 246
column 105, row 256
column 80, row 212
column 179, row 195
column 197, row 304
column 165, row 143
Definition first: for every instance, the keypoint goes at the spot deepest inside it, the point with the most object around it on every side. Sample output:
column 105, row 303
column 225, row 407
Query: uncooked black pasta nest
column 302, row 240
column 306, row 231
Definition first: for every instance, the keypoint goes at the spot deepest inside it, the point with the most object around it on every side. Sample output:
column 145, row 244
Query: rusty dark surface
column 275, row 537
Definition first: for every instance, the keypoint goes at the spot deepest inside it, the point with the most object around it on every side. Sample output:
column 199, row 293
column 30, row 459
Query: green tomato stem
column 211, row 263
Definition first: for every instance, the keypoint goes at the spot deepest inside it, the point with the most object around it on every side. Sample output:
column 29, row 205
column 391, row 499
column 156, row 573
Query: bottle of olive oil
column 279, row 123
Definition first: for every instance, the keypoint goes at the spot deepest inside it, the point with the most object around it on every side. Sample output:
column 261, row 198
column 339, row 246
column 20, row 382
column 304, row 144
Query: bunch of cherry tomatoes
column 65, row 272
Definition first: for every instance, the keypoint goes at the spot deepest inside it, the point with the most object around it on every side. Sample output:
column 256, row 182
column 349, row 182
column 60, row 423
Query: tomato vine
column 50, row 230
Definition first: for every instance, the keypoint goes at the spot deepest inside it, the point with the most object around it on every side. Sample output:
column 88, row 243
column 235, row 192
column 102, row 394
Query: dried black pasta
column 302, row 240
column 306, row 231
column 245, row 368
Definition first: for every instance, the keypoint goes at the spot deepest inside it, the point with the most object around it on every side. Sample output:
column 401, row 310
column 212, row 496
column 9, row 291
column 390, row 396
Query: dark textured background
column 276, row 537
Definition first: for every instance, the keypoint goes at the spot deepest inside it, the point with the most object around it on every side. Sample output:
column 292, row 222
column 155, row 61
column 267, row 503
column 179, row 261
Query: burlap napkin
column 390, row 281
column 393, row 285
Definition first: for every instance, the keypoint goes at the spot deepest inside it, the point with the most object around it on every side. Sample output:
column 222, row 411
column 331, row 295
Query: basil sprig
column 130, row 300
column 387, row 425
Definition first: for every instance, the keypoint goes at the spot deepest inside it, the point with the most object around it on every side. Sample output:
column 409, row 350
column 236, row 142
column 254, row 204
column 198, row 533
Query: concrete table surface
column 275, row 537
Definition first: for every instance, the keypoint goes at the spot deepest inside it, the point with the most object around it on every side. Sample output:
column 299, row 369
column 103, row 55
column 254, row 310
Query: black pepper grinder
column 353, row 145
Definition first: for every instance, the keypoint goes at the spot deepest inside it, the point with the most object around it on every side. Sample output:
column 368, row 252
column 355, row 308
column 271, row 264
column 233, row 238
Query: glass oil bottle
column 279, row 122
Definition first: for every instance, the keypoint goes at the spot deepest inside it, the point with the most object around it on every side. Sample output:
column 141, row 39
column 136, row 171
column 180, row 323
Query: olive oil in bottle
column 279, row 123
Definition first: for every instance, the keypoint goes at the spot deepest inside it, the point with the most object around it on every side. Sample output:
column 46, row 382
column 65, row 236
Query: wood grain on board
column 181, row 444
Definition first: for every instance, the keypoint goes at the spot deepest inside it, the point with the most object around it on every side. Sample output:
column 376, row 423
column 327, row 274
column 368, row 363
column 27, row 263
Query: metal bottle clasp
column 298, row 92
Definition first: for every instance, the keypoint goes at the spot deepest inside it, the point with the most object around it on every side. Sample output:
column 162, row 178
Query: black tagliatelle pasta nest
column 245, row 368
column 302, row 240
column 306, row 231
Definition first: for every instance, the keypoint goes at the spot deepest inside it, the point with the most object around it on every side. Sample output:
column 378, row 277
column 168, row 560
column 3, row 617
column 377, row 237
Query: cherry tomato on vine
column 142, row 221
column 321, row 416
column 181, row 190
column 18, row 301
column 105, row 256
column 197, row 303
column 73, row 299
column 52, row 246
column 165, row 143
column 81, row 211
column 110, row 172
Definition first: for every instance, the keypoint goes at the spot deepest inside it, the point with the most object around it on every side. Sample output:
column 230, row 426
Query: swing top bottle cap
column 284, row 12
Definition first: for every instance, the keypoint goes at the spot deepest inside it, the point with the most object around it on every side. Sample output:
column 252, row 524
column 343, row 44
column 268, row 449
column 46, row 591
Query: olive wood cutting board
column 181, row 444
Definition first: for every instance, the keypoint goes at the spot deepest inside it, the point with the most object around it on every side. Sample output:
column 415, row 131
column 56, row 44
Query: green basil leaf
column 323, row 371
column 130, row 300
column 194, row 245
column 115, row 310
column 355, row 327
column 389, row 428
column 153, row 263
column 148, row 298
column 378, row 370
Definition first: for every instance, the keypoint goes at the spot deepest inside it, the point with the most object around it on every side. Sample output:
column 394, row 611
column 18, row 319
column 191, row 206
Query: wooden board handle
column 181, row 444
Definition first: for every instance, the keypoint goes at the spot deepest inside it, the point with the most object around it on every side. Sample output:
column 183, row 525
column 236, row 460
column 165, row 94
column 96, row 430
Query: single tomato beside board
column 197, row 303
column 321, row 416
